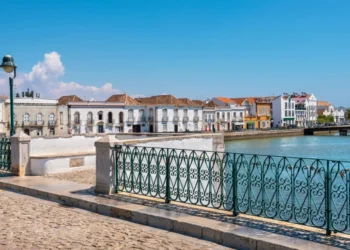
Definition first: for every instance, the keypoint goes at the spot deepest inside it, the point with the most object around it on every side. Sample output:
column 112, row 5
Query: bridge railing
column 312, row 192
column 5, row 154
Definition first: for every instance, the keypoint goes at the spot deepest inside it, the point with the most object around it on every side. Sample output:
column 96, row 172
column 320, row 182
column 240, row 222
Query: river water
column 333, row 147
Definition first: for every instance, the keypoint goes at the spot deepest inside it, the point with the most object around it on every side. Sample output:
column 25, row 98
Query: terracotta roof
column 4, row 97
column 123, row 98
column 199, row 102
column 240, row 101
column 188, row 102
column 160, row 100
column 323, row 103
column 210, row 104
column 63, row 100
column 225, row 100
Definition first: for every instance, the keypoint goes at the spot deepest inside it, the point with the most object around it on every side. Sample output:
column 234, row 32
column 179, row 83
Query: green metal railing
column 304, row 191
column 5, row 154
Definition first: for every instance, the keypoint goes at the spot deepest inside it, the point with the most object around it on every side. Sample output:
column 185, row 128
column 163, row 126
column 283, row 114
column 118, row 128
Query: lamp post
column 8, row 65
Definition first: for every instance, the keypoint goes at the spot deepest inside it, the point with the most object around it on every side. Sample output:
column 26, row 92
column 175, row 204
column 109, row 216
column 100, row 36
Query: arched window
column 165, row 112
column 89, row 118
column 26, row 117
column 176, row 112
column 121, row 117
column 185, row 112
column 218, row 116
column 40, row 117
column 52, row 118
column 76, row 118
column 130, row 115
column 110, row 117
column 228, row 116
column 150, row 112
column 100, row 115
column 141, row 115
column 196, row 112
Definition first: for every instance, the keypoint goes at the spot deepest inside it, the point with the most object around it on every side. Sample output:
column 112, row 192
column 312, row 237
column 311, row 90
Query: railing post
column 328, row 194
column 234, row 186
column 118, row 149
column 167, row 178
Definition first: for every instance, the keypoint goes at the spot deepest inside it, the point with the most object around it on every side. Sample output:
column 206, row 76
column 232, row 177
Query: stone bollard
column 106, row 164
column 20, row 154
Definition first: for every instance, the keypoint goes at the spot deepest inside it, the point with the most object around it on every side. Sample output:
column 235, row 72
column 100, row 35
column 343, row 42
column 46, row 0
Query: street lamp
column 8, row 65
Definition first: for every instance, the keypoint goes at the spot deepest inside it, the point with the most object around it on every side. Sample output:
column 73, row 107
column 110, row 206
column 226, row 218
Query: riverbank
column 243, row 135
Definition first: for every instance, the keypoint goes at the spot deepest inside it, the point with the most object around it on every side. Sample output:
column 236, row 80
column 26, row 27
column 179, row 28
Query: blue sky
column 193, row 49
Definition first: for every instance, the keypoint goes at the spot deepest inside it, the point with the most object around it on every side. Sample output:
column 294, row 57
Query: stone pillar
column 20, row 154
column 106, row 164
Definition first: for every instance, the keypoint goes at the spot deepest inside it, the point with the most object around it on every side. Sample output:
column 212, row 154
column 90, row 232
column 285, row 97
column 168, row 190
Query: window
column 241, row 114
column 150, row 112
column 100, row 115
column 165, row 127
column 61, row 118
column 40, row 117
column 110, row 117
column 26, row 117
column 165, row 113
column 185, row 112
column 76, row 118
column 218, row 116
column 285, row 105
column 89, row 118
column 196, row 112
column 176, row 112
column 286, row 113
column 292, row 105
column 234, row 114
column 52, row 131
column 292, row 112
column 130, row 114
column 141, row 114
column 228, row 116
column 52, row 118
column 121, row 117
column 223, row 115
column 89, row 129
column 196, row 127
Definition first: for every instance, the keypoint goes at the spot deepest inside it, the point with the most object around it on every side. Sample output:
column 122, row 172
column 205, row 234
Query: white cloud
column 43, row 78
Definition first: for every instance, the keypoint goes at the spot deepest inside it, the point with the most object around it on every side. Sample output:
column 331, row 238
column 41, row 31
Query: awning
column 288, row 119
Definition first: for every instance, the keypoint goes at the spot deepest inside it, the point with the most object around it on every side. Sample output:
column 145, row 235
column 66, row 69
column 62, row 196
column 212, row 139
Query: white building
column 326, row 108
column 224, row 114
column 283, row 111
column 306, row 109
column 169, row 114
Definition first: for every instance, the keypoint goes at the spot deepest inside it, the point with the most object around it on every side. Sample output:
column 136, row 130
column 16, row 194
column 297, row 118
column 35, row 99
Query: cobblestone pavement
column 339, row 240
column 31, row 223
column 83, row 176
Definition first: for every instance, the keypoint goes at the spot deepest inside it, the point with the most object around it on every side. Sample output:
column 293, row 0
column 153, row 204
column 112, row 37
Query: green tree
column 330, row 118
column 347, row 114
column 322, row 119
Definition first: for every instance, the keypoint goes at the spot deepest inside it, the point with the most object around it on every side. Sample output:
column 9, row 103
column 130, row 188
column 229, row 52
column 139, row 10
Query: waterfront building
column 33, row 116
column 169, row 114
column 306, row 109
column 283, row 111
column 257, row 111
column 228, row 114
column 326, row 108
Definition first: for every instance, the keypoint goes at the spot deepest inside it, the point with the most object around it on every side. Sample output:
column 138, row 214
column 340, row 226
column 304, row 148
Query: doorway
column 151, row 128
column 136, row 128
column 176, row 128
column 228, row 126
column 100, row 128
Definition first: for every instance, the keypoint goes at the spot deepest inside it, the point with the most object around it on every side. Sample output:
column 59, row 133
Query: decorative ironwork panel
column 5, row 154
column 312, row 192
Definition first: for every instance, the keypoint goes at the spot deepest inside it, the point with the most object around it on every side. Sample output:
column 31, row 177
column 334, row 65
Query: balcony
column 165, row 119
column 185, row 119
column 176, row 118
column 76, row 122
column 151, row 119
column 195, row 119
column 39, row 123
column 131, row 119
column 52, row 123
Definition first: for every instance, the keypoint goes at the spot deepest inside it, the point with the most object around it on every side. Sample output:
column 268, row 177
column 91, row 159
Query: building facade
column 283, row 112
column 306, row 109
column 326, row 108
column 33, row 116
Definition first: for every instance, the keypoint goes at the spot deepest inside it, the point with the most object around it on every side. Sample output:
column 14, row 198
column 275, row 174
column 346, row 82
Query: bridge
column 343, row 130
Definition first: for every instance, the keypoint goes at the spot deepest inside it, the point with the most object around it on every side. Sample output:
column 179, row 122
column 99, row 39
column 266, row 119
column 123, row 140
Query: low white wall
column 44, row 166
column 193, row 143
column 62, row 145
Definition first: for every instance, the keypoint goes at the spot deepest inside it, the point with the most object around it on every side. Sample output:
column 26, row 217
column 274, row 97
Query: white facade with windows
column 283, row 111
column 306, row 109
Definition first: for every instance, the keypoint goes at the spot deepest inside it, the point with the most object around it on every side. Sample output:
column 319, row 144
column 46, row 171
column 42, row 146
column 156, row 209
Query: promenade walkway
column 242, row 232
